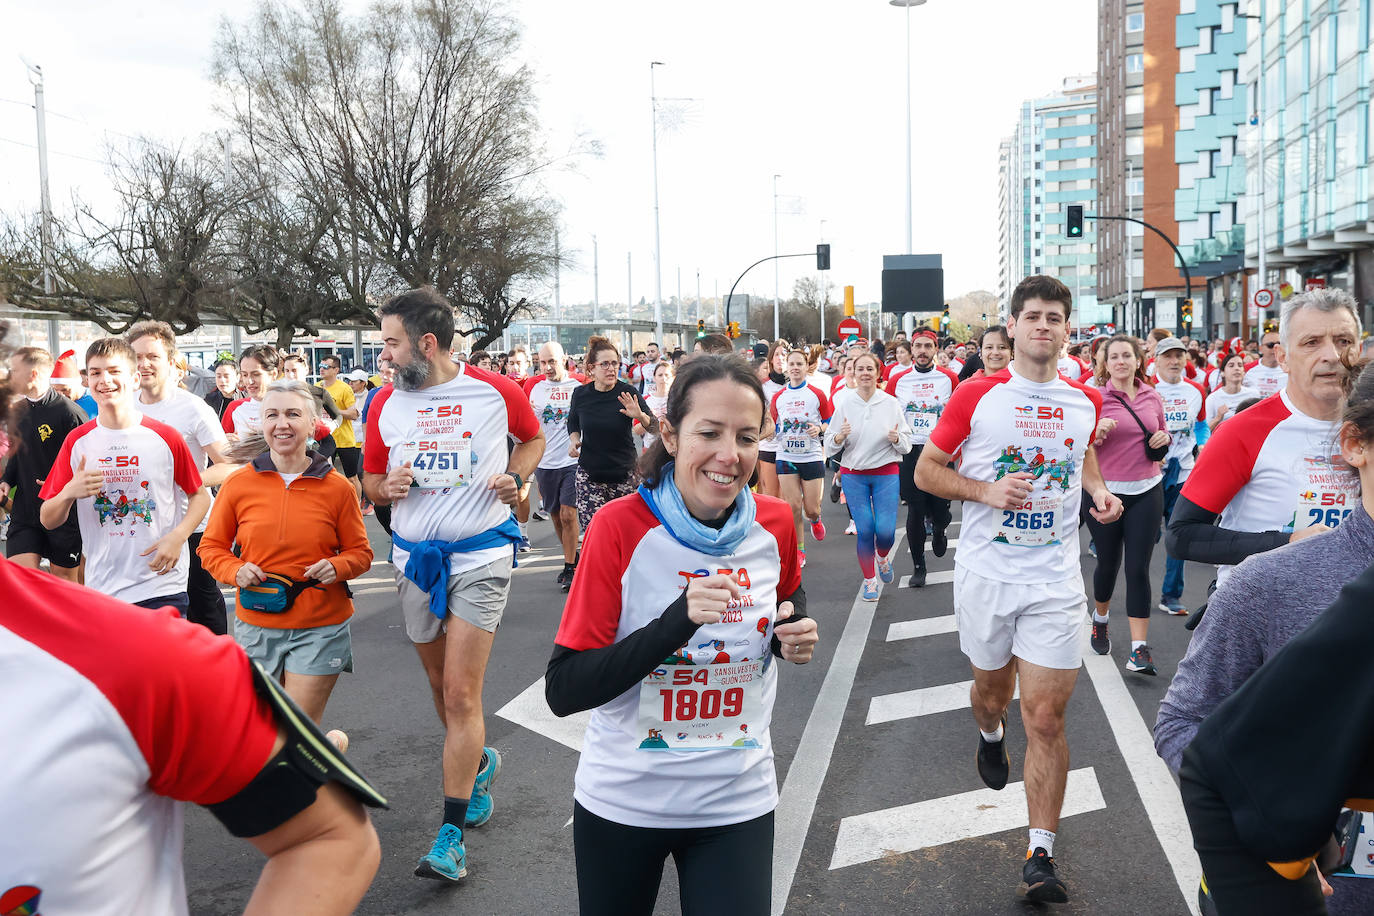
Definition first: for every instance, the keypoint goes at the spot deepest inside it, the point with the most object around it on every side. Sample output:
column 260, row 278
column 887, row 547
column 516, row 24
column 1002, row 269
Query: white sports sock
column 1136, row 644
column 523, row 532
column 993, row 736
column 1099, row 618
column 1042, row 839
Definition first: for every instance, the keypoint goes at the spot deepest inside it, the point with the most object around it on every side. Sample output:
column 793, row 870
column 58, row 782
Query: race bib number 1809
column 701, row 707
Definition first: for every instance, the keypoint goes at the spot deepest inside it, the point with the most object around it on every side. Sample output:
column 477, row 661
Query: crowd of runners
column 127, row 494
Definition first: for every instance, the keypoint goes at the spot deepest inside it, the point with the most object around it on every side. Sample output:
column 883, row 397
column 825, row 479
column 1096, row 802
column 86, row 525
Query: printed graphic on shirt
column 551, row 401
column 922, row 397
column 1328, row 494
column 1035, row 523
column 794, row 411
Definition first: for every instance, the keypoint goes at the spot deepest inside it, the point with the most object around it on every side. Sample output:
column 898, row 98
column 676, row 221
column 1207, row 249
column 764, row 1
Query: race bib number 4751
column 439, row 463
column 701, row 707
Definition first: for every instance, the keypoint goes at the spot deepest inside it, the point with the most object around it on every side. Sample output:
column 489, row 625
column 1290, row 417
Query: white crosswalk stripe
column 926, row 701
column 914, row 629
column 939, row 577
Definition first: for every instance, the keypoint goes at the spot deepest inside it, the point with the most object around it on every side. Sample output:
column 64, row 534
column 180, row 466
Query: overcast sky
column 811, row 90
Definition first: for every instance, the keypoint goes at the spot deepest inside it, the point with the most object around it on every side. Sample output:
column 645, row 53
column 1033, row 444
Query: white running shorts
column 1040, row 622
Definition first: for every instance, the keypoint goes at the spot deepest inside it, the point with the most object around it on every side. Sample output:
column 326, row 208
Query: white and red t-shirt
column 658, row 406
column 1184, row 407
column 771, row 388
column 1004, row 424
column 956, row 366
column 921, row 396
column 148, row 473
column 454, row 436
column 1274, row 468
column 1222, row 398
column 1071, row 368
column 550, row 401
column 197, row 423
column 113, row 716
column 793, row 410
column 673, row 751
column 243, row 417
column 1265, row 380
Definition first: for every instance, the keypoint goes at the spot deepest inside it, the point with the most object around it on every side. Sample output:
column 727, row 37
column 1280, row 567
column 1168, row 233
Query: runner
column 768, row 448
column 551, row 398
column 1186, row 416
column 605, row 412
column 346, row 449
column 259, row 364
column 801, row 413
column 1131, row 438
column 1071, row 367
column 870, row 438
column 226, row 387
column 45, row 419
column 1272, row 598
column 71, row 383
column 994, row 349
column 436, row 442
column 638, row 797
column 1027, row 464
column 922, row 391
column 901, row 351
column 1268, row 377
column 657, row 399
column 123, row 472
column 1270, row 474
column 155, row 347
column 1223, row 402
column 292, row 606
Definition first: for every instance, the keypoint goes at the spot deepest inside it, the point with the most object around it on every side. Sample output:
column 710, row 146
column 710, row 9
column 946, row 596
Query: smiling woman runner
column 669, row 636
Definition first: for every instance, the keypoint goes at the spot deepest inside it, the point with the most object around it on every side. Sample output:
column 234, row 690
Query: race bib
column 701, row 707
column 439, row 463
column 1320, row 507
column 922, row 422
column 1035, row 523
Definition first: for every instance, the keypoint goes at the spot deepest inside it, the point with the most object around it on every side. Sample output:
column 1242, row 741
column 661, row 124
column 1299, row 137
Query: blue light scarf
column 665, row 502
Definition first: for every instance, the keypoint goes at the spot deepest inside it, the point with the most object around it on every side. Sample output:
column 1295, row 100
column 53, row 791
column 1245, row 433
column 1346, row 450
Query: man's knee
column 462, row 699
column 568, row 515
column 1044, row 721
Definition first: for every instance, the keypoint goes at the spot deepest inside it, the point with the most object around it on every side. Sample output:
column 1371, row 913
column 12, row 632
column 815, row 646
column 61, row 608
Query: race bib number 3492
column 701, row 707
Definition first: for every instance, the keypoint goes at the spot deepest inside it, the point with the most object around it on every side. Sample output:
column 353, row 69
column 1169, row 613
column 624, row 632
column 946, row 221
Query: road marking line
column 1159, row 793
column 806, row 774
column 936, row 578
column 914, row 629
column 927, row 701
column 906, row 828
column 530, row 710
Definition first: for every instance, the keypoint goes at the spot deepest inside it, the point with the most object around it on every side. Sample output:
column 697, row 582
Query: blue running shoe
column 486, row 774
column 447, row 859
column 870, row 591
column 885, row 569
column 480, row 808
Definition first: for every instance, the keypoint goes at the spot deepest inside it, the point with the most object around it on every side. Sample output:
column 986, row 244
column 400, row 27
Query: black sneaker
column 994, row 766
column 565, row 575
column 1141, row 661
column 1101, row 642
column 918, row 578
column 1042, row 884
column 835, row 488
column 567, row 583
column 939, row 542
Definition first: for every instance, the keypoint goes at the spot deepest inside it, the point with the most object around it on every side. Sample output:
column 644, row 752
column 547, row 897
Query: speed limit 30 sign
column 1263, row 298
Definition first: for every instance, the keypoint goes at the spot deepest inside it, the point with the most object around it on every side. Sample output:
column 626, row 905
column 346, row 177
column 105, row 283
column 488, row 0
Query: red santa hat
column 1235, row 345
column 64, row 371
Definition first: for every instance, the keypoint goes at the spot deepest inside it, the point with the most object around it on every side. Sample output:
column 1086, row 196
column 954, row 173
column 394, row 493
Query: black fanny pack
column 274, row 595
column 1156, row 453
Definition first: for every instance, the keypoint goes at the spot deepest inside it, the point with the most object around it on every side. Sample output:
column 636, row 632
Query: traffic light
column 1188, row 312
column 733, row 330
column 944, row 319
column 701, row 327
column 1074, row 230
column 823, row 257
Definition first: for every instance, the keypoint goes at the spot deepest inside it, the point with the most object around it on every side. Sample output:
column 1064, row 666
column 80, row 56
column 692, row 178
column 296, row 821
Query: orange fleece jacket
column 285, row 530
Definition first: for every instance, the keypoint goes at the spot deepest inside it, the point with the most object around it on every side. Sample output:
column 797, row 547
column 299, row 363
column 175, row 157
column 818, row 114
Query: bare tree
column 411, row 126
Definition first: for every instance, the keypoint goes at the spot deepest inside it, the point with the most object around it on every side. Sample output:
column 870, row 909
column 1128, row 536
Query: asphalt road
column 884, row 810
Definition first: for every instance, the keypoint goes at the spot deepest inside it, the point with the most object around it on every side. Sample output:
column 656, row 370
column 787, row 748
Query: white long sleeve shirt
column 870, row 421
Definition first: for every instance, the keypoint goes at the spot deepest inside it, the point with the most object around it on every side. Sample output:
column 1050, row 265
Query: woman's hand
column 574, row 445
column 1104, row 429
column 813, row 430
column 1159, row 439
column 322, row 571
column 845, row 431
column 709, row 596
column 798, row 638
column 247, row 575
column 894, row 434
column 629, row 406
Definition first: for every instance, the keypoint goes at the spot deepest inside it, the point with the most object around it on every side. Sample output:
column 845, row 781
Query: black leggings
column 619, row 867
column 1136, row 531
column 920, row 506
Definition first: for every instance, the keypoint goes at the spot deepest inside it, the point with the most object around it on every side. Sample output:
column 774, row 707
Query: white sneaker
column 850, row 529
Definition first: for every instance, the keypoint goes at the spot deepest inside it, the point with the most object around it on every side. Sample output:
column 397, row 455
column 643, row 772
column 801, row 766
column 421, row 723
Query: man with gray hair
column 1273, row 474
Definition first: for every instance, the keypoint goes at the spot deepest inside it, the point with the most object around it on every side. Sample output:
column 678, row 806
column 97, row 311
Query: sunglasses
column 1271, row 345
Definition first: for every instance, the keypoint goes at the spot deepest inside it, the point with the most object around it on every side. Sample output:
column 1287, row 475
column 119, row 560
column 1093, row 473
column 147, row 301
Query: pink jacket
column 1122, row 455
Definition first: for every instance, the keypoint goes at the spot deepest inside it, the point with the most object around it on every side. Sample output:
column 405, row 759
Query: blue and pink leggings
column 872, row 500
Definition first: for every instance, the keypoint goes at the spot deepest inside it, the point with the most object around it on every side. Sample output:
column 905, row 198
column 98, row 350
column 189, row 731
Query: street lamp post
column 777, row 322
column 1259, row 119
column 658, row 249
column 908, row 4
column 45, row 229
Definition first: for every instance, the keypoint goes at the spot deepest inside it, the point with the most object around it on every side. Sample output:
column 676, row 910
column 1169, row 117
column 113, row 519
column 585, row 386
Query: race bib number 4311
column 701, row 707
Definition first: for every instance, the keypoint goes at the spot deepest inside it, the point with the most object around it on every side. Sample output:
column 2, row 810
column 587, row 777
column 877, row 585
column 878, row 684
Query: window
column 1135, row 146
column 1135, row 103
column 1135, row 22
column 1136, row 186
column 1135, row 63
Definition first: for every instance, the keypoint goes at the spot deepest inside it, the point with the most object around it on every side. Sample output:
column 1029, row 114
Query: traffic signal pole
column 730, row 297
column 1182, row 264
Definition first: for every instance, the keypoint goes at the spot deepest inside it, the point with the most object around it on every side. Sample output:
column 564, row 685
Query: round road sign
column 1263, row 298
column 850, row 327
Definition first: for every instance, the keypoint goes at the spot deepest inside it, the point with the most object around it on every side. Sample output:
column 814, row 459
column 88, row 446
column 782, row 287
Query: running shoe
column 870, row 590
column 565, row 575
column 850, row 529
column 486, row 773
column 480, row 808
column 884, row 569
column 801, row 558
column 835, row 488
column 524, row 545
column 930, row 527
column 939, row 542
column 1173, row 606
column 1141, row 661
column 918, row 577
column 1101, row 642
column 367, row 509
column 1092, row 548
column 447, row 859
column 1042, row 884
column 539, row 515
column 567, row 583
column 994, row 766
column 818, row 530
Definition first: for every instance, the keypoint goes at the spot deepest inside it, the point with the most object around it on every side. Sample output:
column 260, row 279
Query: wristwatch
column 519, row 481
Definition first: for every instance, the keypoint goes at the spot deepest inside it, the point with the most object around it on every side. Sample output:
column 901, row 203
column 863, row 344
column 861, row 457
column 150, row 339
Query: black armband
column 288, row 783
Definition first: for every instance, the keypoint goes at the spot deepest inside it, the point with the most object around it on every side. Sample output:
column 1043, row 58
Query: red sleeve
column 776, row 516
column 1249, row 366
column 891, row 380
column 1225, row 465
column 822, row 401
column 61, row 473
column 591, row 615
column 520, row 418
column 184, row 470
column 835, row 384
column 953, row 377
column 375, row 451
column 957, row 418
column 227, row 421
column 528, row 384
column 185, row 695
column 773, row 404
